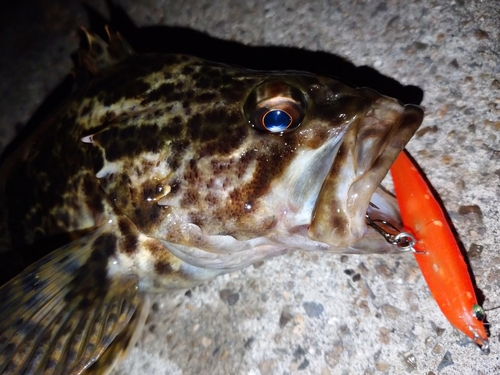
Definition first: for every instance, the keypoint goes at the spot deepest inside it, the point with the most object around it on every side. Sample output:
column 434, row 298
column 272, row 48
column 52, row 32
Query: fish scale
column 162, row 172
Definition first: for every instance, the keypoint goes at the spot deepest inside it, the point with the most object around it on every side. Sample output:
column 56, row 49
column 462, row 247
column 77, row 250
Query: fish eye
column 275, row 107
column 276, row 115
column 478, row 312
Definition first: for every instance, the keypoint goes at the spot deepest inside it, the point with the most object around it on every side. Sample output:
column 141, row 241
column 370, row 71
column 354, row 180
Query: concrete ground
column 310, row 313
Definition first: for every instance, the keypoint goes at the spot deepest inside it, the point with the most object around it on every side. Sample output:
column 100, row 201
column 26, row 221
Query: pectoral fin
column 120, row 347
column 62, row 313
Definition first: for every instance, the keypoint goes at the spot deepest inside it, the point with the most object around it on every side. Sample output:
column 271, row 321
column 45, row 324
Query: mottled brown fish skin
column 174, row 109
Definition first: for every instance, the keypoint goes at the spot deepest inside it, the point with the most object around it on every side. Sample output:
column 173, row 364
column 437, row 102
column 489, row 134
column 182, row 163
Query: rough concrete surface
column 315, row 313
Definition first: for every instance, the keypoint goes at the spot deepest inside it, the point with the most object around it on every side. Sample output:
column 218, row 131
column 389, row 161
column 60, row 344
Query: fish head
column 252, row 164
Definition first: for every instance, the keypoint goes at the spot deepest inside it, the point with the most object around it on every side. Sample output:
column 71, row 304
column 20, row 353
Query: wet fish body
column 168, row 170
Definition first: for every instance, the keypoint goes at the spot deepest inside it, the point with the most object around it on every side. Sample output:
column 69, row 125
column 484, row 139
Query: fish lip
column 369, row 148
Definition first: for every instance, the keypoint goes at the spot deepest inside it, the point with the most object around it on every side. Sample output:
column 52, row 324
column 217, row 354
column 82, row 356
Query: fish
column 164, row 171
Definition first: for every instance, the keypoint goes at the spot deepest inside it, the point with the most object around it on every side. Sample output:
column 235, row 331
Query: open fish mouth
column 351, row 190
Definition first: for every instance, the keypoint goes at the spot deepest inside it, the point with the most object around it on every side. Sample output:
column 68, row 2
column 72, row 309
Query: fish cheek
column 130, row 201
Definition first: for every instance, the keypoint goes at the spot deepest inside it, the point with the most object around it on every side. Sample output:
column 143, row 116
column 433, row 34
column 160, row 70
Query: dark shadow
column 165, row 39
column 188, row 41
column 48, row 106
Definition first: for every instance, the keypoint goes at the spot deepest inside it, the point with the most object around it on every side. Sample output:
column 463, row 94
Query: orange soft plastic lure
column 436, row 250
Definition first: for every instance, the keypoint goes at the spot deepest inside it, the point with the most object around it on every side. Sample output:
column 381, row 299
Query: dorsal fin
column 98, row 55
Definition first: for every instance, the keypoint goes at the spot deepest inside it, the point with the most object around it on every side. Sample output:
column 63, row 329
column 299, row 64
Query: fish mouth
column 351, row 189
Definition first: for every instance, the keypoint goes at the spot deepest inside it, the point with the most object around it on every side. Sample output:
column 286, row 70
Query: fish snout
column 369, row 148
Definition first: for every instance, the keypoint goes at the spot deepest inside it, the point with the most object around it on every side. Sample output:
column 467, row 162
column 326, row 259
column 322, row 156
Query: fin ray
column 63, row 312
column 120, row 347
column 100, row 55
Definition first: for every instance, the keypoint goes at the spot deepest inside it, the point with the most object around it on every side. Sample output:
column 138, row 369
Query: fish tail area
column 62, row 313
column 99, row 55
